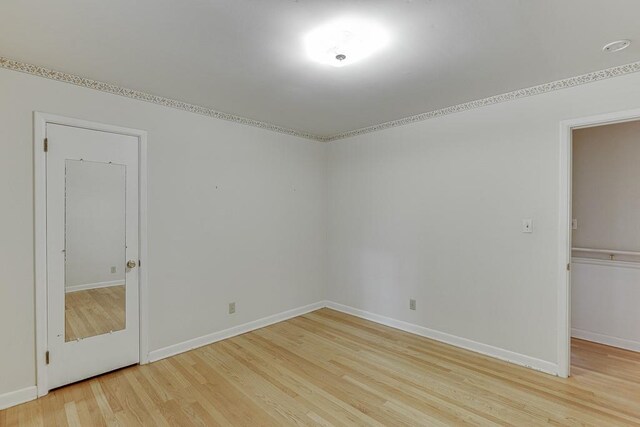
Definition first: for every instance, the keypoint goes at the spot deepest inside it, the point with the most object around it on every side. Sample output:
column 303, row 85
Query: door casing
column 40, row 121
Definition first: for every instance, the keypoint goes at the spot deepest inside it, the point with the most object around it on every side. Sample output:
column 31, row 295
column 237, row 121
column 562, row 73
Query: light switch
column 527, row 225
column 574, row 224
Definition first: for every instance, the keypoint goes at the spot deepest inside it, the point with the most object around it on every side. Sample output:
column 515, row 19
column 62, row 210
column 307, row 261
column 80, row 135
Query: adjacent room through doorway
column 605, row 274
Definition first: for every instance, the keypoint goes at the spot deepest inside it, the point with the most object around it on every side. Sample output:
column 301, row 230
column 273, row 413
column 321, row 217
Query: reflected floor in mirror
column 94, row 312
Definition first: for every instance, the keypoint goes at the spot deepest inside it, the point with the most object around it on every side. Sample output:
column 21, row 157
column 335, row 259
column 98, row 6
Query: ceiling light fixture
column 616, row 46
column 345, row 41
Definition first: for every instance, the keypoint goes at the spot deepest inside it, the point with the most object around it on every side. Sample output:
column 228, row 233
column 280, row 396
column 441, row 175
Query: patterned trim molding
column 509, row 96
column 167, row 102
column 142, row 96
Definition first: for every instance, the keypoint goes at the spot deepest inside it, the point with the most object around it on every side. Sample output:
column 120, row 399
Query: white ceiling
column 246, row 57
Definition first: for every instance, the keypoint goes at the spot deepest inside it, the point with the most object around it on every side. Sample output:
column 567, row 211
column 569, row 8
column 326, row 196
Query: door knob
column 131, row 264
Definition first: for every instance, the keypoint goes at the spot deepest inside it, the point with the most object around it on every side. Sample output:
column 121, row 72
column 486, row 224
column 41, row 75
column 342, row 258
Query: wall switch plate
column 412, row 304
column 113, row 270
column 527, row 225
column 232, row 307
column 574, row 224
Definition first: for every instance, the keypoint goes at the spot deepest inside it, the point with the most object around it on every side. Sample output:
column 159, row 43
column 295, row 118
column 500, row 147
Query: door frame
column 40, row 121
column 566, row 198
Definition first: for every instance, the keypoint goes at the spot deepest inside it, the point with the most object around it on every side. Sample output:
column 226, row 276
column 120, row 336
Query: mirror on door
column 95, row 248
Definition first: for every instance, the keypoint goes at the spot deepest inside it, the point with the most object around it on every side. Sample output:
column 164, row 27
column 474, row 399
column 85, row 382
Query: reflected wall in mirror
column 95, row 248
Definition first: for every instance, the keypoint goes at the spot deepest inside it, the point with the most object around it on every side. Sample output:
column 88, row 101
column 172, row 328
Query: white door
column 92, row 252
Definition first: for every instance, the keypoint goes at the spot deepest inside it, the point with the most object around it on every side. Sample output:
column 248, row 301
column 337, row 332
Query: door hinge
column 46, row 357
column 569, row 267
column 46, row 145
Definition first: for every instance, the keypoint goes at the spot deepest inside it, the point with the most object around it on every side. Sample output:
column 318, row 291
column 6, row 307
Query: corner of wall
column 325, row 290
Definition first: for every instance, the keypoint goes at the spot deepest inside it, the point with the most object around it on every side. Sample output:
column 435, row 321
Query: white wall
column 606, row 187
column 95, row 224
column 433, row 211
column 604, row 302
column 236, row 213
column 430, row 211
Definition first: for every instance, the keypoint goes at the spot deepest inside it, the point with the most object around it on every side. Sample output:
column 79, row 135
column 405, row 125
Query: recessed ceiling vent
column 616, row 46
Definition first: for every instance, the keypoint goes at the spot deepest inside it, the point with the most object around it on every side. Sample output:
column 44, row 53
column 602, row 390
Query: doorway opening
column 599, row 324
column 605, row 320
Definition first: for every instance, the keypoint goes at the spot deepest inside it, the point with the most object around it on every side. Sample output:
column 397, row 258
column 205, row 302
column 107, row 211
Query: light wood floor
column 94, row 312
column 328, row 368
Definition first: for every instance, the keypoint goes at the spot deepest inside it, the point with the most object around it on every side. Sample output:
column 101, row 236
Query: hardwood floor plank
column 330, row 369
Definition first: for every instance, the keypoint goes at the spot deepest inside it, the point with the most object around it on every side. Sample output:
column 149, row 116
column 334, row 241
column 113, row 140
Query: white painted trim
column 564, row 250
column 40, row 250
column 564, row 222
column 40, row 232
column 606, row 339
column 48, row 73
column 594, row 76
column 606, row 251
column 87, row 286
column 17, row 397
column 485, row 349
column 606, row 262
column 143, row 263
column 191, row 344
column 496, row 99
column 20, row 396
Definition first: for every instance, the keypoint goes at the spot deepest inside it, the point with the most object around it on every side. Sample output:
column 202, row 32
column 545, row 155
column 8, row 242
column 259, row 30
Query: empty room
column 319, row 212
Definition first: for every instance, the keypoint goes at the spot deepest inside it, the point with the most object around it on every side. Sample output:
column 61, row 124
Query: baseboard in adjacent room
column 231, row 332
column 17, row 397
column 87, row 286
column 467, row 344
column 605, row 339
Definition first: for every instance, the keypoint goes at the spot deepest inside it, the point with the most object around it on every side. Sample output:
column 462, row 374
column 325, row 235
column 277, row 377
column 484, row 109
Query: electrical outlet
column 232, row 307
column 412, row 304
column 113, row 270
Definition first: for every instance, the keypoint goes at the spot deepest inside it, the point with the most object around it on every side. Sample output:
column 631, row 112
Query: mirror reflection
column 95, row 248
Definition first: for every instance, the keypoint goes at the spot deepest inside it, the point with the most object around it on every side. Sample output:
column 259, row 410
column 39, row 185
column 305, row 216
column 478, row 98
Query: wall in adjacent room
column 606, row 187
column 604, row 302
column 236, row 213
column 433, row 211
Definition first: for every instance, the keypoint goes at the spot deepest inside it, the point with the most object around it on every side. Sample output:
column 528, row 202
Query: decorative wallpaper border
column 142, row 96
column 595, row 76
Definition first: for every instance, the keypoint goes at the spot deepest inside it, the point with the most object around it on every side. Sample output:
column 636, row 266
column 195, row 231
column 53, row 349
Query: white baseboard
column 17, row 397
column 84, row 287
column 485, row 349
column 174, row 349
column 606, row 339
column 30, row 393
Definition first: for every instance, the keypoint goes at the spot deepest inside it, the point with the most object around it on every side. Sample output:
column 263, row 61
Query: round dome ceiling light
column 616, row 46
column 345, row 40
